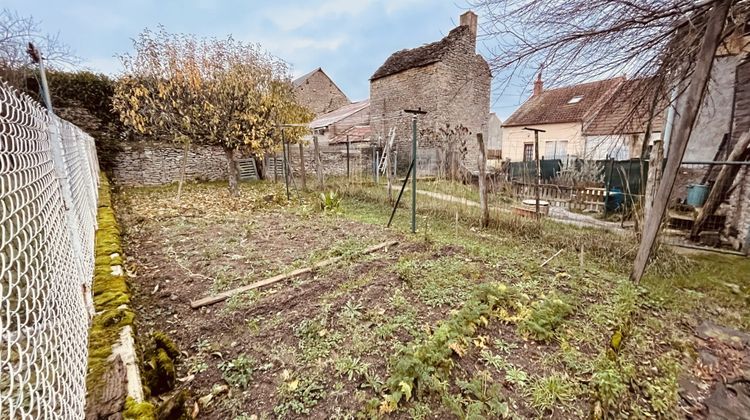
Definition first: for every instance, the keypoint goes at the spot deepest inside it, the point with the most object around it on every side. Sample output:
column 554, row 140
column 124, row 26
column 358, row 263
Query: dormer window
column 575, row 99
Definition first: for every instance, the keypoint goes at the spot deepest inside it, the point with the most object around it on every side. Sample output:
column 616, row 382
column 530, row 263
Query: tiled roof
column 356, row 134
column 626, row 111
column 421, row 56
column 553, row 105
column 335, row 116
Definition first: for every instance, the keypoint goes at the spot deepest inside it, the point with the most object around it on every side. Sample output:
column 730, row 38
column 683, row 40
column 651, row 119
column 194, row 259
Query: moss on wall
column 111, row 301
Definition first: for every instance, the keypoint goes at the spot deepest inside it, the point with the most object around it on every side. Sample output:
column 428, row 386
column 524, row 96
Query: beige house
column 596, row 120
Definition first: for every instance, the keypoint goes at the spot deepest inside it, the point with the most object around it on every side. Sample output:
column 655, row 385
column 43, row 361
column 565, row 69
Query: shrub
column 238, row 372
column 330, row 201
column 544, row 318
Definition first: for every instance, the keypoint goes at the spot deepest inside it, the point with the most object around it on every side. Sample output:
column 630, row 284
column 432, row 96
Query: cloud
column 290, row 46
column 293, row 17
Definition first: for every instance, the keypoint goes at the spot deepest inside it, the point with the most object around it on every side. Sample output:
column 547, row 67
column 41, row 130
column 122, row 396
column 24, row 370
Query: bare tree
column 668, row 44
column 16, row 32
column 576, row 40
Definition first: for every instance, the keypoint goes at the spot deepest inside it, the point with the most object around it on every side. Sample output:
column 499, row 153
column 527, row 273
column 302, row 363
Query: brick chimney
column 538, row 84
column 470, row 19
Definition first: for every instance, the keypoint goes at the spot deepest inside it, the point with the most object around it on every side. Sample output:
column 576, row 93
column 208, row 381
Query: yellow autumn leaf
column 457, row 348
column 292, row 386
column 405, row 389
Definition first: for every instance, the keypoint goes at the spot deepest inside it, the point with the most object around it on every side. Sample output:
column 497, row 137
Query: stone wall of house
column 739, row 202
column 455, row 91
column 410, row 89
column 158, row 163
column 361, row 117
column 319, row 94
column 466, row 99
column 713, row 119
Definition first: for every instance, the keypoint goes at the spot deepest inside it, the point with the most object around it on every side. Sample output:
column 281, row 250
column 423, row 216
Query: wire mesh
column 46, row 260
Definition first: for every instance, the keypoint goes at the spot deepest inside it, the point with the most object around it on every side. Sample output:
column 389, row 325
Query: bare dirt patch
column 327, row 344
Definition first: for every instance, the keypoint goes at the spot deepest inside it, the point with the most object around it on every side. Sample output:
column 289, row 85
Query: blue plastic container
column 614, row 199
column 697, row 195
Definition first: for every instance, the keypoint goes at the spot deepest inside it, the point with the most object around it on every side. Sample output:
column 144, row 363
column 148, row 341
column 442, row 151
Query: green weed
column 330, row 201
column 483, row 398
column 315, row 339
column 552, row 391
column 516, row 376
column 425, row 365
column 350, row 367
column 239, row 371
column 297, row 396
column 544, row 318
column 493, row 360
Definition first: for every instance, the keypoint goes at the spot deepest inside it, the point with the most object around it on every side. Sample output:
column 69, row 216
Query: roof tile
column 552, row 105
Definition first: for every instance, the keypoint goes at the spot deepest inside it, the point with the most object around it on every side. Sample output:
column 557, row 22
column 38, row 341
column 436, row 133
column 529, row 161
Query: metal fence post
column 61, row 171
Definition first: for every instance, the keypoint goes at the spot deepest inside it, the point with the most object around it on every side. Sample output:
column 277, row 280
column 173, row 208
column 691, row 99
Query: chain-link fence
column 48, row 191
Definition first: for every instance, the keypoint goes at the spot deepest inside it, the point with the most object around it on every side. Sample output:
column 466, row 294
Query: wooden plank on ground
column 210, row 300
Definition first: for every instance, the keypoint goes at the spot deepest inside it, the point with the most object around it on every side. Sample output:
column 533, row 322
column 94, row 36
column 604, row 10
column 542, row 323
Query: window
column 606, row 147
column 528, row 152
column 555, row 149
column 575, row 99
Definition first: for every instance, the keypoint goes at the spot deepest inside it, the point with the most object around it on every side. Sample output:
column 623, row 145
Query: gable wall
column 455, row 91
column 320, row 94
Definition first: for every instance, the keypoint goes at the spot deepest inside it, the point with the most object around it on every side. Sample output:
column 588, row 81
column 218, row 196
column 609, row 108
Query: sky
column 349, row 39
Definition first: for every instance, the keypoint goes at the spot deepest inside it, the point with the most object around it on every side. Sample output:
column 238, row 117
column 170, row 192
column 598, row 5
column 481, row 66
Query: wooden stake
column 551, row 258
column 688, row 112
column 182, row 170
column 210, row 300
column 580, row 257
column 302, row 166
column 484, row 221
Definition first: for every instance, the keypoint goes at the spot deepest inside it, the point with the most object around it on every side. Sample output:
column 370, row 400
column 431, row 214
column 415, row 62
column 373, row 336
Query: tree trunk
column 485, row 218
column 688, row 112
column 726, row 176
column 318, row 165
column 233, row 173
column 182, row 170
column 654, row 176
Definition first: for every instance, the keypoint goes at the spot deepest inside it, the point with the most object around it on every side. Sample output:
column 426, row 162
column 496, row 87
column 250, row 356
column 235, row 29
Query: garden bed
column 451, row 322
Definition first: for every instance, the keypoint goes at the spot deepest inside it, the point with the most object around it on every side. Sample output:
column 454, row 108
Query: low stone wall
column 113, row 380
column 159, row 163
column 333, row 160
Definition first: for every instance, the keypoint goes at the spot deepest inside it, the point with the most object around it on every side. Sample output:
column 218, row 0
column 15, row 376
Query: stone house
column 447, row 79
column 594, row 120
column 334, row 123
column 317, row 91
column 333, row 129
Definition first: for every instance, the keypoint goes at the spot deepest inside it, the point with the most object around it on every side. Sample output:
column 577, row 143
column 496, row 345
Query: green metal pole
column 414, row 174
